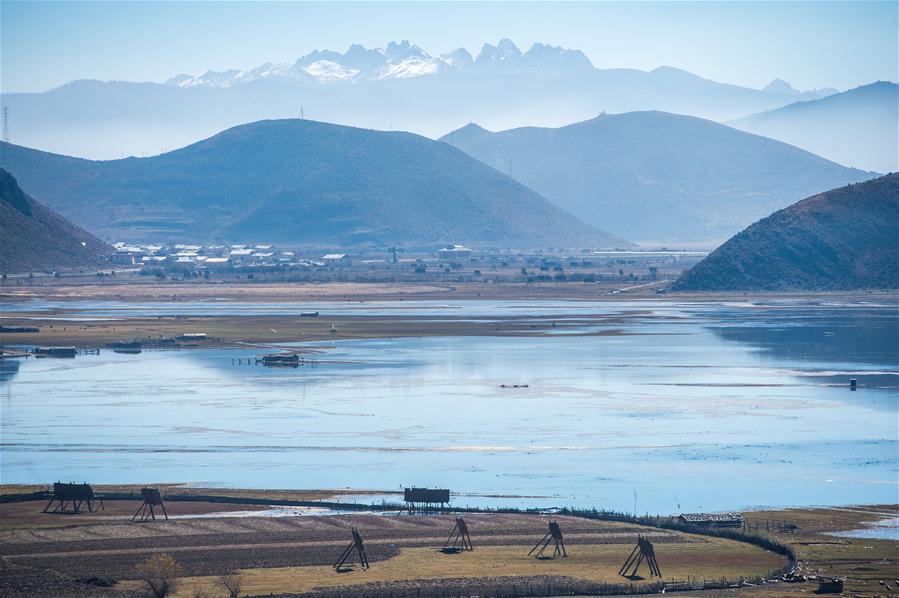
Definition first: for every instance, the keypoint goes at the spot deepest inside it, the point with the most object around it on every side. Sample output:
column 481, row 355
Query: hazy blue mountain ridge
column 655, row 176
column 398, row 88
column 306, row 183
column 858, row 128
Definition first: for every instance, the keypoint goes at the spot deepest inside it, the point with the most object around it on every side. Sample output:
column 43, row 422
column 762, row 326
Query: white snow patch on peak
column 177, row 80
column 269, row 69
column 211, row 79
column 327, row 71
column 412, row 67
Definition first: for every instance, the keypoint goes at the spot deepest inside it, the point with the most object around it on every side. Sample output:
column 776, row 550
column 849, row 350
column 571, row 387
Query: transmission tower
column 6, row 124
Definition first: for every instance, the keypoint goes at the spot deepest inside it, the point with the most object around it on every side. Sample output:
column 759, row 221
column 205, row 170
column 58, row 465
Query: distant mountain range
column 782, row 87
column 303, row 183
column 33, row 238
column 398, row 61
column 400, row 87
column 843, row 239
column 656, row 177
column 859, row 127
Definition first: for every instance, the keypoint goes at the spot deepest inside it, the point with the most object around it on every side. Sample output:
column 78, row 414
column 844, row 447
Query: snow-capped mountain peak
column 359, row 58
column 504, row 51
column 399, row 60
column 397, row 52
column 556, row 58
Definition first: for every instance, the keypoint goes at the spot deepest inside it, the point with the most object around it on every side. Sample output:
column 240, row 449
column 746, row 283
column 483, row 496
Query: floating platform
column 18, row 329
column 125, row 345
column 280, row 359
column 55, row 351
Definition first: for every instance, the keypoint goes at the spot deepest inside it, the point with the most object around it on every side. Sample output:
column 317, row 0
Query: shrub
column 160, row 572
column 231, row 583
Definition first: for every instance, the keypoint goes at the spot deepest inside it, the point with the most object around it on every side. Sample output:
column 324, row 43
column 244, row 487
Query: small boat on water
column 309, row 314
column 280, row 359
column 55, row 351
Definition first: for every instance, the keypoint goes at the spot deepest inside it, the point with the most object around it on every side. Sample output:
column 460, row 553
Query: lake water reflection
column 711, row 407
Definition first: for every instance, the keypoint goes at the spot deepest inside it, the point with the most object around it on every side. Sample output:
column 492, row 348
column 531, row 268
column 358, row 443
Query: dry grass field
column 268, row 331
column 97, row 554
column 141, row 288
column 869, row 566
column 703, row 558
column 147, row 289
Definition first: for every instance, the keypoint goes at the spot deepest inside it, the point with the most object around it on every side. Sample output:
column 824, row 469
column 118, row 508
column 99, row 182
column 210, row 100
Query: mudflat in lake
column 696, row 406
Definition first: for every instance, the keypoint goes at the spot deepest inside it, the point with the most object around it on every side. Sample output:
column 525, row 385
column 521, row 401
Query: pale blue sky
column 810, row 44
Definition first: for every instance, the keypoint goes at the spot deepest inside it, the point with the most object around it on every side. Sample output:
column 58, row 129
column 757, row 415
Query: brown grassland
column 96, row 554
column 705, row 558
column 268, row 331
column 144, row 289
column 294, row 554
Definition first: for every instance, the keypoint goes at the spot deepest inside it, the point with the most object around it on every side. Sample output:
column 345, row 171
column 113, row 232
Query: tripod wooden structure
column 553, row 535
column 459, row 539
column 152, row 499
column 356, row 548
column 643, row 550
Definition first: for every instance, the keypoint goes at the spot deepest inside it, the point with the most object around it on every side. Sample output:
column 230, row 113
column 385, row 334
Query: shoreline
column 235, row 331
column 392, row 499
column 356, row 291
column 71, row 325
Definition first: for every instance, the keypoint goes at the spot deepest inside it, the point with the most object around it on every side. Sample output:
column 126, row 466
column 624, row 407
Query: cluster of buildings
column 212, row 256
column 446, row 263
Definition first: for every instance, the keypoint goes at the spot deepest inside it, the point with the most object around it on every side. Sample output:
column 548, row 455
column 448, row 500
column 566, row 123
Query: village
column 454, row 263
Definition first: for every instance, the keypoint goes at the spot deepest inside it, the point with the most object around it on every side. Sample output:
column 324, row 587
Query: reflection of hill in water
column 841, row 336
column 8, row 369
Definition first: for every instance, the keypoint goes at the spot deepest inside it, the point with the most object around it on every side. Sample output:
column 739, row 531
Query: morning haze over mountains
column 657, row 176
column 503, row 148
column 399, row 87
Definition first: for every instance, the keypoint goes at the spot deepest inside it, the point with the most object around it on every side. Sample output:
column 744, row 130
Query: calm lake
column 698, row 406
